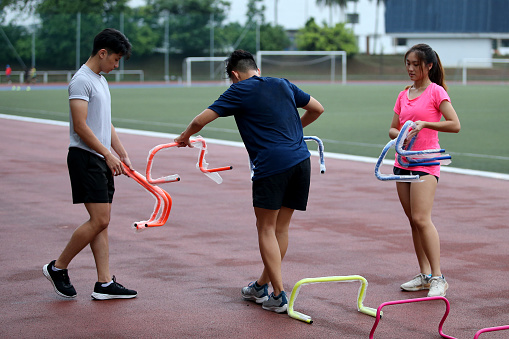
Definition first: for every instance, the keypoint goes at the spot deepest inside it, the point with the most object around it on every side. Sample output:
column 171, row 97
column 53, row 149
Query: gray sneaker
column 418, row 283
column 277, row 304
column 438, row 286
column 256, row 293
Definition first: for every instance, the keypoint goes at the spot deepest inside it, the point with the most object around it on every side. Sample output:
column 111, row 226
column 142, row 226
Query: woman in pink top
column 425, row 103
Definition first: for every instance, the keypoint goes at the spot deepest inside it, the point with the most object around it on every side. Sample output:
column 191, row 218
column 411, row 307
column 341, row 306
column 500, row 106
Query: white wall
column 453, row 50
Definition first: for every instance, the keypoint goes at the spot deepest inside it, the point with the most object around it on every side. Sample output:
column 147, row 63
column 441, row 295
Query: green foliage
column 49, row 7
column 272, row 38
column 315, row 38
column 255, row 12
column 330, row 3
column 19, row 5
column 56, row 35
column 189, row 22
column 21, row 39
column 59, row 24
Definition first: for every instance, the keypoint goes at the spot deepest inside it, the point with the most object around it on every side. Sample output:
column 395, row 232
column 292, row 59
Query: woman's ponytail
column 427, row 55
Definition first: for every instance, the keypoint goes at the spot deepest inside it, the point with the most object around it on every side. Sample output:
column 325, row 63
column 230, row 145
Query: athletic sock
column 107, row 284
column 56, row 269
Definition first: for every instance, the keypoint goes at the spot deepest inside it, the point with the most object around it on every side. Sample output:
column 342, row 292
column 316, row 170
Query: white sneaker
column 438, row 286
column 418, row 283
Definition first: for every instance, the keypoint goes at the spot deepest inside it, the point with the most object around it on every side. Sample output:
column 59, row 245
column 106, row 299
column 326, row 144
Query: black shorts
column 91, row 179
column 289, row 189
column 400, row 171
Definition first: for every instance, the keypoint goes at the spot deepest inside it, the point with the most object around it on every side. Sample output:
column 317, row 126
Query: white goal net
column 484, row 69
column 204, row 70
column 299, row 66
column 310, row 66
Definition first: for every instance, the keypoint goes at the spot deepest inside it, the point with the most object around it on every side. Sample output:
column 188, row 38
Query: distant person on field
column 265, row 110
column 8, row 72
column 27, row 75
column 92, row 166
column 33, row 75
column 426, row 102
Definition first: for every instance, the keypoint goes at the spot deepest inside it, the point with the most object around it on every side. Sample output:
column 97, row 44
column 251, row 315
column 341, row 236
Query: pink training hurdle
column 447, row 308
column 491, row 329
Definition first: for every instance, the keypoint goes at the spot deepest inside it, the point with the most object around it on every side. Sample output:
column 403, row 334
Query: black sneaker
column 113, row 291
column 60, row 280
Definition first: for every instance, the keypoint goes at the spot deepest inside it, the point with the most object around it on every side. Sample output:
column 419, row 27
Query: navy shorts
column 91, row 179
column 289, row 189
column 400, row 171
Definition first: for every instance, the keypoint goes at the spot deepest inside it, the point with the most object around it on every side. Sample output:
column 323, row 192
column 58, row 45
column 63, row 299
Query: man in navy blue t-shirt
column 265, row 110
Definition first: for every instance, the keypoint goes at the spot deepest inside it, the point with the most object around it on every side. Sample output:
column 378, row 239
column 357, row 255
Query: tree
column 376, row 22
column 271, row 38
column 56, row 38
column 315, row 38
column 235, row 36
column 331, row 3
column 25, row 5
column 21, row 40
column 190, row 22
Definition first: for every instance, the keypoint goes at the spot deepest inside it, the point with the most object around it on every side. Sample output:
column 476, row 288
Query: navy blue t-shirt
column 265, row 110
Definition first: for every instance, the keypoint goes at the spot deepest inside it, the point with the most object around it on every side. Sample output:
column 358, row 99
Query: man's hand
column 126, row 162
column 195, row 126
column 115, row 164
column 183, row 141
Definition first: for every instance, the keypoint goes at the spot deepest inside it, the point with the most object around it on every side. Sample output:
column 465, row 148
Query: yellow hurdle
column 360, row 298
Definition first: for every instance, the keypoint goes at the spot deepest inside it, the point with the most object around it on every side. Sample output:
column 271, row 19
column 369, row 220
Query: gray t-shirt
column 93, row 88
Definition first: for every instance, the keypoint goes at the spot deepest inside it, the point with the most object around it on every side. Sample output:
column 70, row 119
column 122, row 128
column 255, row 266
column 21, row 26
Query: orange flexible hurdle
column 162, row 205
column 201, row 164
column 163, row 202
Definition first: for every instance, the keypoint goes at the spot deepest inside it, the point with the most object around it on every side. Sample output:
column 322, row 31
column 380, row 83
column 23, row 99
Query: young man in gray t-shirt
column 92, row 166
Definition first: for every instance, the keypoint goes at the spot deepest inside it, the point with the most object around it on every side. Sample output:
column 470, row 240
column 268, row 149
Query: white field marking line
column 234, row 131
column 339, row 156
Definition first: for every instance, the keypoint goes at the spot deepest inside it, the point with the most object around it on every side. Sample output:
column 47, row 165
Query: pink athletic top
column 425, row 108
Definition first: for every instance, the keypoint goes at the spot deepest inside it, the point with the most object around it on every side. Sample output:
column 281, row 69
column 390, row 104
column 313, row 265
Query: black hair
column 113, row 41
column 426, row 55
column 240, row 61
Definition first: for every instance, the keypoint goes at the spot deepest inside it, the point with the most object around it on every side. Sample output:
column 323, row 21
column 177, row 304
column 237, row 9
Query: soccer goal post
column 206, row 68
column 303, row 65
column 484, row 63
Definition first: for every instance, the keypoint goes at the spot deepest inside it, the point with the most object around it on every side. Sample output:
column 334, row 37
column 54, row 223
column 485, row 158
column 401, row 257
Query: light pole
column 167, row 46
column 33, row 44
column 275, row 12
column 78, row 38
column 211, row 45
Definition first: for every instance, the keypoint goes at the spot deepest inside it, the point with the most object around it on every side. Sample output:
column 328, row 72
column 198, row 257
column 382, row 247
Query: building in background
column 456, row 29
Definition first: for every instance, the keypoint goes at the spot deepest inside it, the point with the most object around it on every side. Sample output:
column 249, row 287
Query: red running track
column 188, row 273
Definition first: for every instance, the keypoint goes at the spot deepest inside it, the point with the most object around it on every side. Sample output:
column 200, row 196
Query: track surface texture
column 189, row 273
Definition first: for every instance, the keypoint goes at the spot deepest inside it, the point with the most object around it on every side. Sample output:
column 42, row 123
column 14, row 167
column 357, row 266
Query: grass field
column 356, row 119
